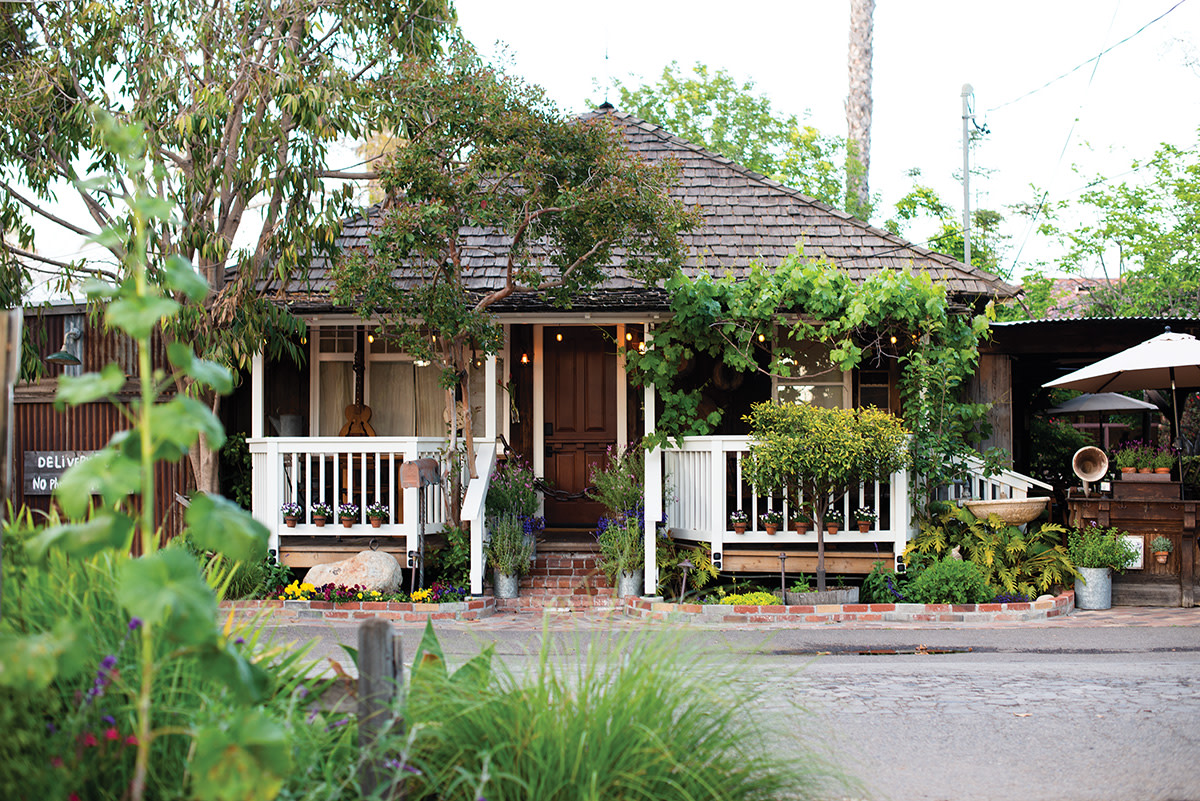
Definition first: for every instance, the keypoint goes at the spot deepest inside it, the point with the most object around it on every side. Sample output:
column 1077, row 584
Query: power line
column 1095, row 58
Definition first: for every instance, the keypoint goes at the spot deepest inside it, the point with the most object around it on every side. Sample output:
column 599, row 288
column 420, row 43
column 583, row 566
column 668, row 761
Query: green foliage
column 893, row 315
column 618, row 485
column 511, row 489
column 1052, row 445
column 1093, row 546
column 481, row 149
column 508, row 549
column 1161, row 544
column 669, row 555
column 753, row 599
column 950, row 581
column 237, row 471
column 568, row 733
column 884, row 586
column 1015, row 562
column 1140, row 232
column 987, row 243
column 711, row 109
column 453, row 560
column 621, row 546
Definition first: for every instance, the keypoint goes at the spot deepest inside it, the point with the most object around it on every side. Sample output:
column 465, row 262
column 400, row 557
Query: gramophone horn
column 1089, row 463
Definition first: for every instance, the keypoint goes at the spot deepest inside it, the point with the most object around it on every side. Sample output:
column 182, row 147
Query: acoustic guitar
column 358, row 414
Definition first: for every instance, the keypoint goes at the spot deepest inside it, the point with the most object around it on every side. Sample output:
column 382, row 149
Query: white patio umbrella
column 1102, row 402
column 1160, row 362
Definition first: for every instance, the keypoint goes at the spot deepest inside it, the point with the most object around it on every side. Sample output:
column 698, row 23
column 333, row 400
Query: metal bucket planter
column 507, row 586
column 1094, row 589
column 848, row 595
column 629, row 583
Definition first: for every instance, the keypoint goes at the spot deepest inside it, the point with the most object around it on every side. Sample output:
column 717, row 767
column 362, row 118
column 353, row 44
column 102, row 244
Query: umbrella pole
column 1177, row 432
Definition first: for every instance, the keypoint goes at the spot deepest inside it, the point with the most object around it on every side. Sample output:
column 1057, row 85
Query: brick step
column 577, row 565
column 562, row 582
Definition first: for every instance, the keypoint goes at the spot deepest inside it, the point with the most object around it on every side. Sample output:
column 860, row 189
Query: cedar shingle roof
column 746, row 217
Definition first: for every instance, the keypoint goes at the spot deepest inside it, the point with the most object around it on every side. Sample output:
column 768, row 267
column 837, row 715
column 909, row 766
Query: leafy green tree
column 483, row 150
column 1143, row 233
column 823, row 452
column 240, row 104
column 922, row 203
column 711, row 109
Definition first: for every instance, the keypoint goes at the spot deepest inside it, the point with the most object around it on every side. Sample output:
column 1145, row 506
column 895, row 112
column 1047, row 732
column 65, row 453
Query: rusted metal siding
column 38, row 427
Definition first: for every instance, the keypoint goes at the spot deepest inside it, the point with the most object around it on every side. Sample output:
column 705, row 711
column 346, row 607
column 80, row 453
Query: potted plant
column 508, row 551
column 1161, row 547
column 377, row 513
column 291, row 513
column 1126, row 457
column 321, row 512
column 832, row 526
column 864, row 516
column 801, row 521
column 738, row 519
column 1096, row 552
column 772, row 519
column 801, row 593
column 622, row 553
column 348, row 513
column 1162, row 460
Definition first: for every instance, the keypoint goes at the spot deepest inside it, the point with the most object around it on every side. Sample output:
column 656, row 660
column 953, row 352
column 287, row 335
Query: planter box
column 846, row 596
column 1145, row 486
column 1156, row 478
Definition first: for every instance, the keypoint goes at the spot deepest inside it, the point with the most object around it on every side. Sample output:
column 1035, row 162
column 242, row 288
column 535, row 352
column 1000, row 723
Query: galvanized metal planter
column 506, row 586
column 1094, row 589
column 630, row 583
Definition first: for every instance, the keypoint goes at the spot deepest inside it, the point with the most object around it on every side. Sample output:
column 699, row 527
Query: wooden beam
column 768, row 562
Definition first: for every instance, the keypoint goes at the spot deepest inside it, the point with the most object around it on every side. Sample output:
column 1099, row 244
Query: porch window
column 813, row 380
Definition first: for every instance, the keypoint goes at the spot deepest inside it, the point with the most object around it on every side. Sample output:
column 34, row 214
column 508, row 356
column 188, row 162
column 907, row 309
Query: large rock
column 371, row 570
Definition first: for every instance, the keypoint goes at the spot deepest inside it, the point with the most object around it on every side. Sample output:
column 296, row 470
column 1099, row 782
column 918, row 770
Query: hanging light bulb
column 762, row 337
column 558, row 336
column 628, row 337
column 524, row 358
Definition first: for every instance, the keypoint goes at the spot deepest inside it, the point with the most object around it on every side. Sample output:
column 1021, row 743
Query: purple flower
column 108, row 663
column 240, row 641
column 337, row 724
column 109, row 720
column 135, row 623
column 301, row 692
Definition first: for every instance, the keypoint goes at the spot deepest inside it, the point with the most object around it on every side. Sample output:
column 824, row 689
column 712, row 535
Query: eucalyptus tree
column 241, row 104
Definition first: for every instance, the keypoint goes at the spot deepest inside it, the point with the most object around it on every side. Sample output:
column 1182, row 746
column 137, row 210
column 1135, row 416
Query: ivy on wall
column 895, row 315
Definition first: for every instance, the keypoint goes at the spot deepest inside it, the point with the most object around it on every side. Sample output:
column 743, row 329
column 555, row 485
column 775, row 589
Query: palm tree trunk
column 858, row 109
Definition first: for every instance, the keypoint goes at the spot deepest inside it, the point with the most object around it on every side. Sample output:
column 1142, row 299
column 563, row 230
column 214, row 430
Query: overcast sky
column 1139, row 94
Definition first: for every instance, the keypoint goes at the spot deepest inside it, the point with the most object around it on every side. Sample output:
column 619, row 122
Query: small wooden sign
column 43, row 469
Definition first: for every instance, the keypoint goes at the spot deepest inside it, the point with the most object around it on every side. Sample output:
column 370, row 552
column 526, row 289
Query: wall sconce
column 524, row 358
column 71, row 352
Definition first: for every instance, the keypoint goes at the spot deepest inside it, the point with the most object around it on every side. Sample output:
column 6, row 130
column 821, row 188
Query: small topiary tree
column 822, row 452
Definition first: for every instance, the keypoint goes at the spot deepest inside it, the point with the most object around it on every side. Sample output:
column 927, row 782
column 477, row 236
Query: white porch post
column 258, row 395
column 653, row 497
column 539, row 404
column 490, row 410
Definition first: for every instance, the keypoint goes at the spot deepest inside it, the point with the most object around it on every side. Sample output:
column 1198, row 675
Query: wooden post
column 380, row 695
column 1187, row 556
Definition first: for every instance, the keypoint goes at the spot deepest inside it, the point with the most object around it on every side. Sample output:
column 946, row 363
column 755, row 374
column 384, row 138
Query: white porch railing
column 705, row 482
column 337, row 470
column 473, row 507
column 1005, row 484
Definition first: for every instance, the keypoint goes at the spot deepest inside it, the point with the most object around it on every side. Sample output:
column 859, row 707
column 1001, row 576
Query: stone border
column 294, row 611
column 653, row 609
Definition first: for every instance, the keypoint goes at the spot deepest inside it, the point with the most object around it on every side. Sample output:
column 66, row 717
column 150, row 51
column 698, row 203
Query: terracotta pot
column 319, row 521
column 376, row 522
column 1145, row 469
column 801, row 526
column 347, row 522
column 771, row 528
column 864, row 526
column 1162, row 470
column 1128, row 469
column 739, row 528
column 1161, row 557
column 831, row 528
column 290, row 521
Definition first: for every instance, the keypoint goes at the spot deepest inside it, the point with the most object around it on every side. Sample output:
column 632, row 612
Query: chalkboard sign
column 43, row 469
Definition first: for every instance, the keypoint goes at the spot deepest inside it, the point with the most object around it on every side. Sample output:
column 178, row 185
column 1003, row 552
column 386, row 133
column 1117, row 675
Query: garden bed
column 406, row 611
column 650, row 609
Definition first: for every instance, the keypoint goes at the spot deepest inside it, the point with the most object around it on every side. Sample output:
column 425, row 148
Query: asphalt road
column 1029, row 713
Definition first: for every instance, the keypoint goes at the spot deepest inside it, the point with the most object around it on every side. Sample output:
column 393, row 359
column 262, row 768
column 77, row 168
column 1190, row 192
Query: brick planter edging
column 651, row 609
column 296, row 611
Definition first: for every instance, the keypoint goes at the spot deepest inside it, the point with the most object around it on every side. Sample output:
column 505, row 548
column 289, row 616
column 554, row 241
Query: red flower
column 112, row 734
column 74, row 797
column 90, row 739
column 56, row 762
column 131, row 740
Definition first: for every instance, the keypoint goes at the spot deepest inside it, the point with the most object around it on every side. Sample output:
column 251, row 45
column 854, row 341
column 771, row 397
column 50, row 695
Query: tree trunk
column 858, row 108
column 203, row 460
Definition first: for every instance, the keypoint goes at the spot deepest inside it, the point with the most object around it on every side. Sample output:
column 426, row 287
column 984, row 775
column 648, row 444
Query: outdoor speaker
column 1089, row 463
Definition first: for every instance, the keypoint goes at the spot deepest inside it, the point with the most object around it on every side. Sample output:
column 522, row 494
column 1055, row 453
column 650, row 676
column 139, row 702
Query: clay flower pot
column 1145, row 469
column 864, row 526
column 801, row 525
column 319, row 521
column 1162, row 470
column 347, row 522
column 771, row 528
column 290, row 522
column 376, row 522
column 739, row 528
column 1161, row 557
column 1128, row 469
column 831, row 528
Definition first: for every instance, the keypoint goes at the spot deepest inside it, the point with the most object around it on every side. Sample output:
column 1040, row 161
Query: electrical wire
column 1095, row 58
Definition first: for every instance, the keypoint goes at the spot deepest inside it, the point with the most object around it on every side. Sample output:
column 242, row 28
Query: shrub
column 884, row 586
column 508, row 549
column 624, row 723
column 512, row 489
column 1095, row 547
column 618, row 485
column 752, row 599
column 621, row 545
column 453, row 560
column 950, row 581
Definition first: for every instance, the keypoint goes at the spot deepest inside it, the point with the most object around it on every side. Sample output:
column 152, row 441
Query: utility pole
column 968, row 96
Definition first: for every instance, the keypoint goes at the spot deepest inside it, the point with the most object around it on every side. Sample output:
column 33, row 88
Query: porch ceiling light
column 524, row 358
column 67, row 354
column 558, row 336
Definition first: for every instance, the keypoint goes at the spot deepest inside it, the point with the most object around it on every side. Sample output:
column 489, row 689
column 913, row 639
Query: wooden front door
column 581, row 415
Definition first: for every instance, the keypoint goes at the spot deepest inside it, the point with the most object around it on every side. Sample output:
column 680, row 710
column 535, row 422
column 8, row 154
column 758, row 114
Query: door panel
column 581, row 415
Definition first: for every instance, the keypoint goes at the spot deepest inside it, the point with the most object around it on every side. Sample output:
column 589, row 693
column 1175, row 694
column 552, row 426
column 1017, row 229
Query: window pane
column 828, row 396
column 392, row 402
column 810, row 359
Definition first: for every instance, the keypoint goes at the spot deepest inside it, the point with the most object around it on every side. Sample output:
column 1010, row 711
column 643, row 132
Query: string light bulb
column 558, row 336
column 524, row 358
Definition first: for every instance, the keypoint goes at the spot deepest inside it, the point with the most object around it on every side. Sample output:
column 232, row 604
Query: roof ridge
column 663, row 133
